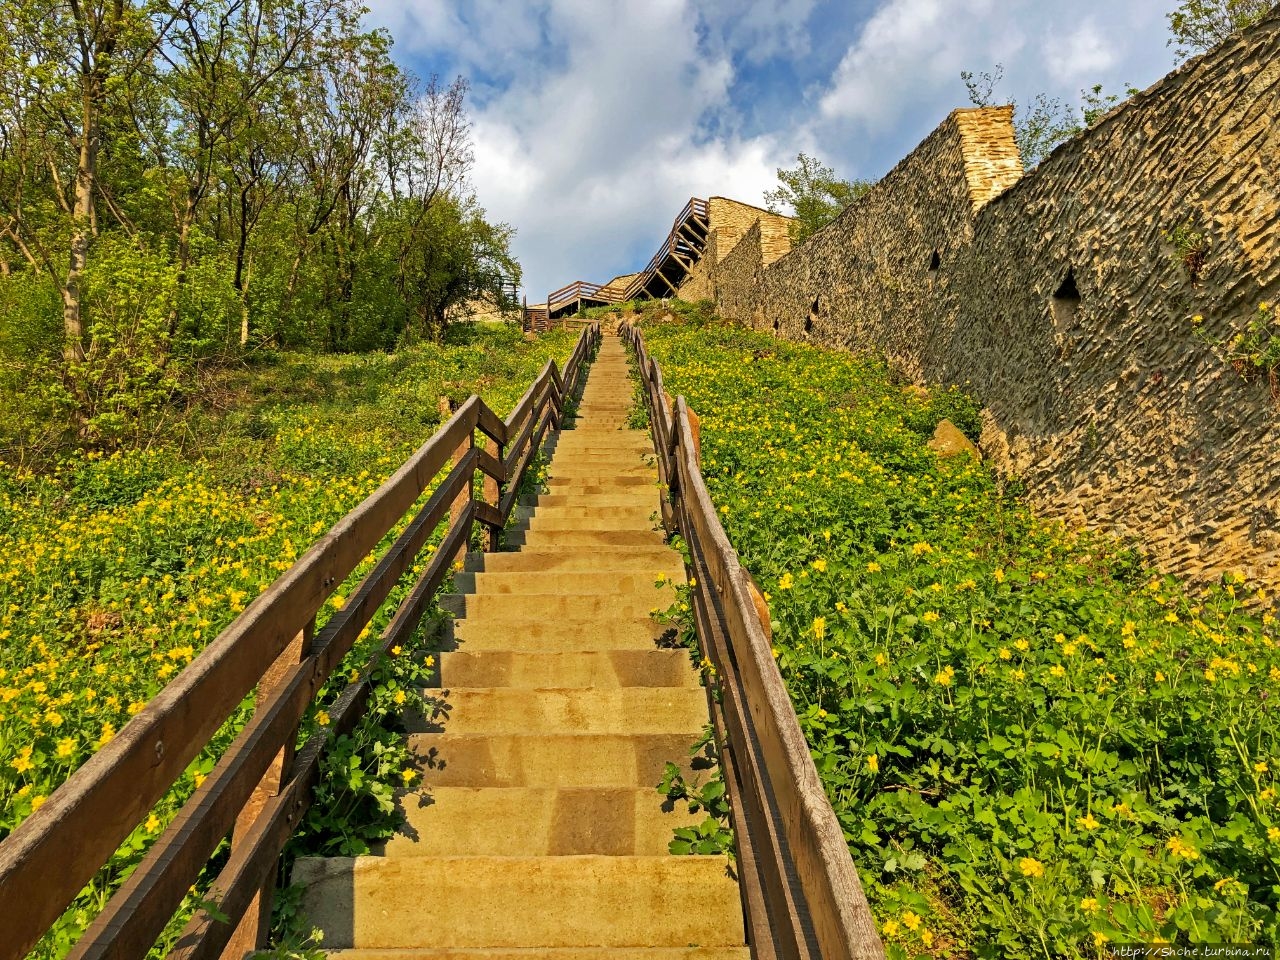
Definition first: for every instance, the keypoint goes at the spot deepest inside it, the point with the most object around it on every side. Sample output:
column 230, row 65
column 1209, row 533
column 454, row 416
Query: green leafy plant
column 1253, row 352
column 1191, row 249
column 713, row 834
column 1035, row 745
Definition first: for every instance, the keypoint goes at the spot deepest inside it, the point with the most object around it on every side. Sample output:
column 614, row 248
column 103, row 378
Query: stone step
column 549, row 538
column 521, row 901
column 601, row 471
column 622, row 515
column 537, row 822
column 559, row 635
column 528, row 607
column 640, row 497
column 603, row 484
column 597, row 669
column 622, row 710
column 542, row 953
column 549, row 760
column 653, row 560
column 582, row 583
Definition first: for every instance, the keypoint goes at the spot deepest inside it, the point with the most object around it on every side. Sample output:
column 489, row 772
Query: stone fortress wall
column 1058, row 299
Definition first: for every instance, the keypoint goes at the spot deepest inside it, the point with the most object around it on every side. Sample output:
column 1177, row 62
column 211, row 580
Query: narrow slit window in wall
column 1066, row 301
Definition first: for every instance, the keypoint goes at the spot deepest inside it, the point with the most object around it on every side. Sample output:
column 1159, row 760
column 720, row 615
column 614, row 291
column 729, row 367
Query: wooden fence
column 259, row 790
column 801, row 894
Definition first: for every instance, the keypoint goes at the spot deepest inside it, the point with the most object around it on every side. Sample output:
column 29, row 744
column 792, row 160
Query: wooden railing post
column 492, row 493
column 463, row 500
column 251, row 933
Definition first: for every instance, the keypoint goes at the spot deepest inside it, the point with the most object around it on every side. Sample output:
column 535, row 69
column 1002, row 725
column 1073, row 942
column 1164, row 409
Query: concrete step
column 549, row 760
column 597, row 669
column 559, row 635
column 606, row 484
column 542, row 953
column 618, row 558
column 549, row 538
column 582, row 583
column 632, row 497
column 537, row 822
column 629, row 514
column 601, row 471
column 633, row 524
column 527, row 607
column 521, row 901
column 653, row 560
column 622, row 710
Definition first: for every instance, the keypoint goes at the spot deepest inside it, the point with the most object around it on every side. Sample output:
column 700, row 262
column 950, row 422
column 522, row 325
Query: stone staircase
column 538, row 831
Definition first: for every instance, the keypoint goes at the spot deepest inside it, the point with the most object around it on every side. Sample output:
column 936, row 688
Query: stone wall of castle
column 1059, row 298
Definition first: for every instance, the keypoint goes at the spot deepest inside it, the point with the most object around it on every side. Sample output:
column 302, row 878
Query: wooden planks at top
column 59, row 849
column 802, row 896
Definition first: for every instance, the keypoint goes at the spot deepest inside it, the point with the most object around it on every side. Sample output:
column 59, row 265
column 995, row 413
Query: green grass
column 115, row 571
column 1034, row 743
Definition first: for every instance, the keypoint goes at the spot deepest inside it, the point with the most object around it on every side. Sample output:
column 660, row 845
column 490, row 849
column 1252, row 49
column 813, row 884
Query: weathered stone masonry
column 1057, row 298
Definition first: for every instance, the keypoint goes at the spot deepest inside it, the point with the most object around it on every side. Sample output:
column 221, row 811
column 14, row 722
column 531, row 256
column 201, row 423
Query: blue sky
column 594, row 121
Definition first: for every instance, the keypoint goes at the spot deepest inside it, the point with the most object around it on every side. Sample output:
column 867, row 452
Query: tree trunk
column 75, row 342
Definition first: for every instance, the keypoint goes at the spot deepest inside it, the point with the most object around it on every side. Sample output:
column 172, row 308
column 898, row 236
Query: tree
column 1198, row 25
column 1048, row 121
column 815, row 195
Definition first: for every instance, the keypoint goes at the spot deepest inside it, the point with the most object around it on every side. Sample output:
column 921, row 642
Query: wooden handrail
column 57, row 850
column 801, row 894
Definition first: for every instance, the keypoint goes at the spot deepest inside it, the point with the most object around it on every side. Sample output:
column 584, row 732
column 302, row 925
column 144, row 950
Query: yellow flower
column 1058, row 670
column 1159, row 676
column 920, row 549
column 882, row 659
column 1273, row 834
column 66, row 746
column 786, row 583
column 397, row 650
column 1170, row 617
column 819, row 627
column 322, row 718
column 407, row 774
column 944, row 677
column 820, row 566
column 37, row 802
column 1005, row 653
column 108, row 734
column 873, row 762
column 400, row 697
column 1031, row 867
column 1099, row 938
column 1087, row 822
column 153, row 823
column 1260, row 767
column 910, row 920
column 999, row 575
column 1022, row 645
column 874, row 567
column 890, row 928
column 930, row 617
column 1179, row 848
column 23, row 763
column 1089, row 903
column 926, row 937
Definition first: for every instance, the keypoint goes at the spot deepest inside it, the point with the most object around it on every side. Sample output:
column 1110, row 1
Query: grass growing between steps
column 116, row 570
column 1035, row 744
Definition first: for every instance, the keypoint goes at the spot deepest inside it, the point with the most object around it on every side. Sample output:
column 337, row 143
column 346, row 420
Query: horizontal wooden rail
column 801, row 893
column 270, row 647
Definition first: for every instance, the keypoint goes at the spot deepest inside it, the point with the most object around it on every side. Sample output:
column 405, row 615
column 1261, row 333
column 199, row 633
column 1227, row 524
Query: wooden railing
column 801, row 895
column 578, row 290
column 684, row 244
column 259, row 790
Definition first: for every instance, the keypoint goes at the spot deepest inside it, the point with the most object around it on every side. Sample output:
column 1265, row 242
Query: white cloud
column 1079, row 56
column 595, row 120
column 907, row 51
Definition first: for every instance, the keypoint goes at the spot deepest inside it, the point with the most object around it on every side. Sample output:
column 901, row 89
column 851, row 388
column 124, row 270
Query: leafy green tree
column 1197, row 25
column 815, row 195
column 1047, row 121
